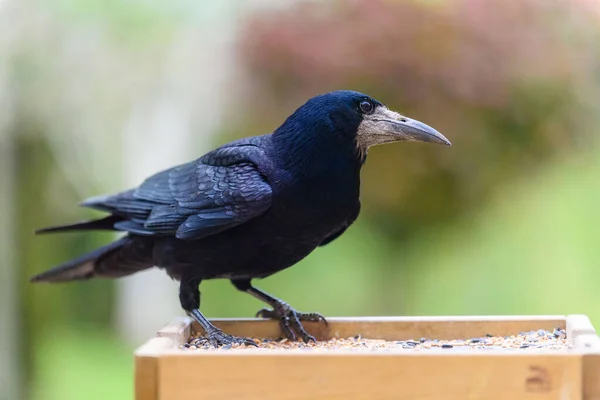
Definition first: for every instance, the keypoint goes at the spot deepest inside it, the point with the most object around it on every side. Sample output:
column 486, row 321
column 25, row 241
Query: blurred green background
column 97, row 95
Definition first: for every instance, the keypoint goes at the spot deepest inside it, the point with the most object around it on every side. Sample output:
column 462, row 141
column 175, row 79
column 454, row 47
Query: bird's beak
column 386, row 126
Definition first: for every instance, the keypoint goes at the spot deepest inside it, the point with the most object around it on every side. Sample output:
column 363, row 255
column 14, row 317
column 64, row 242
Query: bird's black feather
column 106, row 223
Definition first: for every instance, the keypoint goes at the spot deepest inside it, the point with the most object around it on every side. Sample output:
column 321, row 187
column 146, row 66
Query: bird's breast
column 317, row 206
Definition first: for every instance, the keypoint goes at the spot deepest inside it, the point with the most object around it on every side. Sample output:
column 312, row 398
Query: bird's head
column 353, row 117
column 342, row 124
column 380, row 125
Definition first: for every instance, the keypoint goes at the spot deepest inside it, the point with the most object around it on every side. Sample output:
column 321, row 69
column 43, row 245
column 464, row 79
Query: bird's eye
column 366, row 107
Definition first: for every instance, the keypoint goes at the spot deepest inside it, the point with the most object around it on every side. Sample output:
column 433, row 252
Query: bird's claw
column 290, row 320
column 218, row 338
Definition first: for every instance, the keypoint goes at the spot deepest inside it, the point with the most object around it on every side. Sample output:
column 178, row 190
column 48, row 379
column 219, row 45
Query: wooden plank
column 399, row 328
column 381, row 376
column 146, row 367
column 583, row 338
column 146, row 379
column 178, row 330
column 591, row 376
column 578, row 324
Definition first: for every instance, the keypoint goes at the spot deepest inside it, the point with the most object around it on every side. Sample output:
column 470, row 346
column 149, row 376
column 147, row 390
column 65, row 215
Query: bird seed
column 538, row 340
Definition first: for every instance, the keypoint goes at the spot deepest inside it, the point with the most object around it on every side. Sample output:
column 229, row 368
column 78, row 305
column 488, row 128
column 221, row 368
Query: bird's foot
column 218, row 338
column 289, row 320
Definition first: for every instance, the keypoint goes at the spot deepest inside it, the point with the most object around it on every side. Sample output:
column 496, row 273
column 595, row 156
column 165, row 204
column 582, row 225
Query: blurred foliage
column 503, row 222
column 82, row 363
column 530, row 251
column 509, row 85
column 47, row 309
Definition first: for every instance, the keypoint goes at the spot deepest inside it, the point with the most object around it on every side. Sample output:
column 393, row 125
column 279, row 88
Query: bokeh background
column 96, row 95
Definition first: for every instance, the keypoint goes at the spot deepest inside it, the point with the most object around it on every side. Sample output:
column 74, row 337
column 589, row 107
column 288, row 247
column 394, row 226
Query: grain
column 539, row 340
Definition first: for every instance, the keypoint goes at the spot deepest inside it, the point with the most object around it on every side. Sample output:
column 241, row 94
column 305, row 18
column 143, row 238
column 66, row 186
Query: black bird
column 247, row 209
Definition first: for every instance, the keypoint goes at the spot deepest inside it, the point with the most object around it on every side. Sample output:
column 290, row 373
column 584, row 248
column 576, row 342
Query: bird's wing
column 220, row 190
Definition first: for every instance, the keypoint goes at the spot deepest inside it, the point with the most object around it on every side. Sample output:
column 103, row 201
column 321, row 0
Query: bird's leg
column 289, row 319
column 189, row 296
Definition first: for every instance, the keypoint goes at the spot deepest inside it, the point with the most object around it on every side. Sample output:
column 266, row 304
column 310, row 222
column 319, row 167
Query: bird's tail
column 106, row 223
column 79, row 268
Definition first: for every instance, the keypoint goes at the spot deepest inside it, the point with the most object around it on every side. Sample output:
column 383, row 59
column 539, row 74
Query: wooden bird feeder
column 165, row 371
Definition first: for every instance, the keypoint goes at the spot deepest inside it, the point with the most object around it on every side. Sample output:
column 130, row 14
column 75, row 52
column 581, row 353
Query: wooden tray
column 164, row 372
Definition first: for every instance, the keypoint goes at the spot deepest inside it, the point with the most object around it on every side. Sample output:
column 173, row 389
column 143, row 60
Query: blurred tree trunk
column 10, row 365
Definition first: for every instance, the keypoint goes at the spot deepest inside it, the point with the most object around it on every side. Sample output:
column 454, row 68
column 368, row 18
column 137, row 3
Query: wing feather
column 222, row 189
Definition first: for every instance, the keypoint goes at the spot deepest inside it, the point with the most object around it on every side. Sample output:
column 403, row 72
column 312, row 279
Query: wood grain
column 343, row 377
column 591, row 376
column 178, row 330
column 147, row 380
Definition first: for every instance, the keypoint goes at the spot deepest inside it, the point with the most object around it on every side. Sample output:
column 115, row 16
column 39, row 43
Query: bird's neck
column 315, row 157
